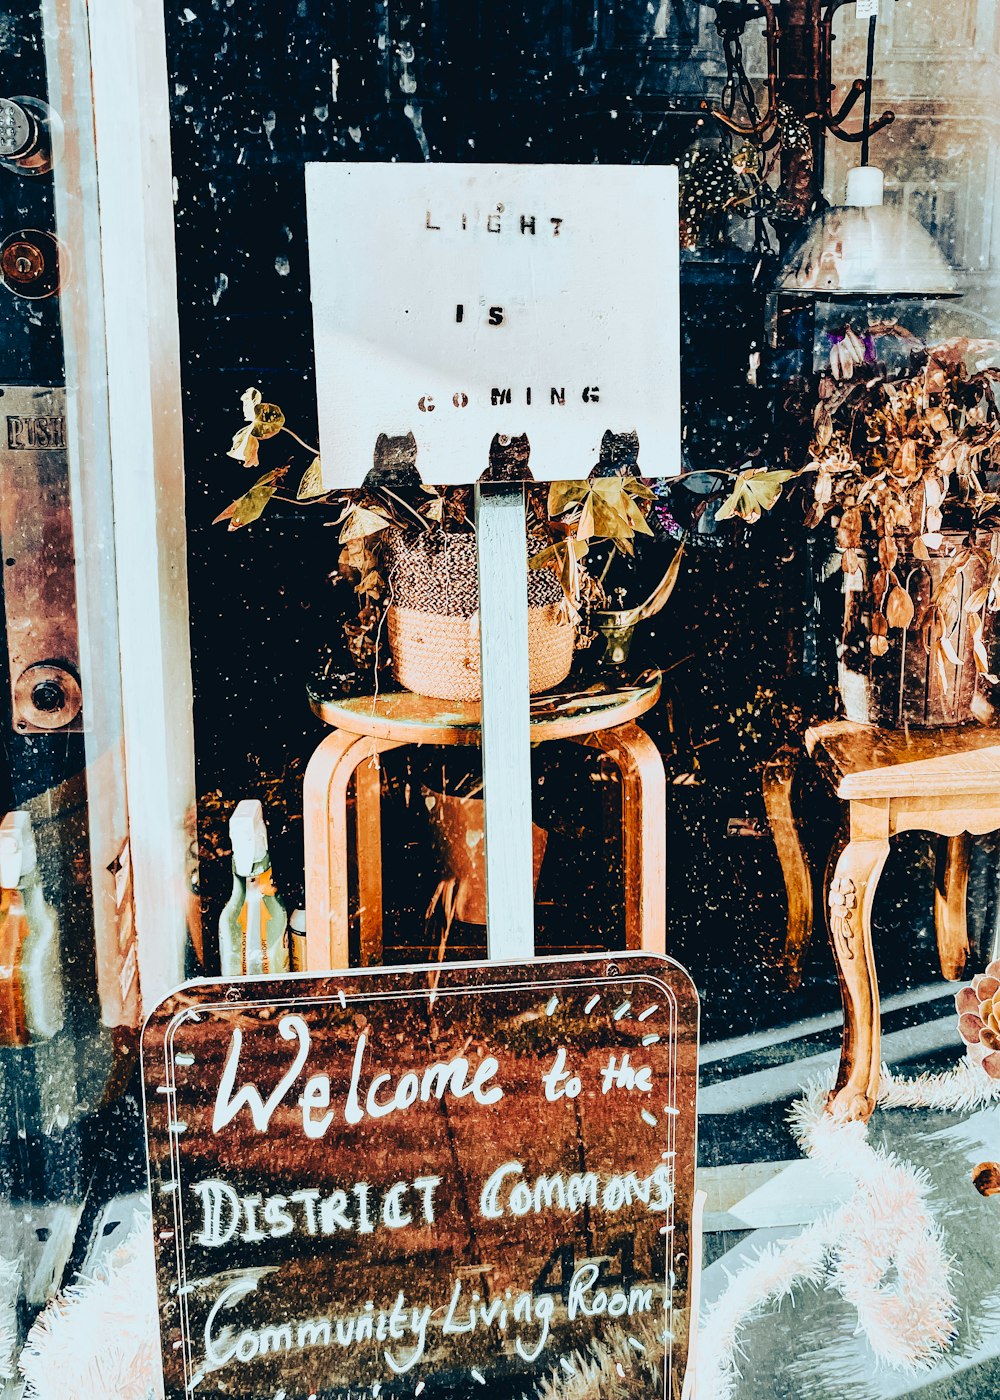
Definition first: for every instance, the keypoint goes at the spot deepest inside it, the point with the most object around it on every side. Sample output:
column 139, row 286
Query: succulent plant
column 978, row 1007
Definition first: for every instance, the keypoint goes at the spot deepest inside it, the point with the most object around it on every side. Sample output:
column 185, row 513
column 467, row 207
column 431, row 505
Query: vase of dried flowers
column 903, row 465
column 926, row 675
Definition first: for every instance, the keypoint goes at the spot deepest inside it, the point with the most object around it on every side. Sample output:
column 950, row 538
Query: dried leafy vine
column 565, row 521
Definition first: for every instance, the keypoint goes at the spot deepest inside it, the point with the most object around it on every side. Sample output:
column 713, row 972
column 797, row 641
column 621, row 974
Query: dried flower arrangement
column 568, row 522
column 896, row 460
column 978, row 1007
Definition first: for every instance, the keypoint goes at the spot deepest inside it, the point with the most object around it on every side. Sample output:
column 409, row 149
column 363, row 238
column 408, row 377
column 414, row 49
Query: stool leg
column 850, row 898
column 778, row 778
column 368, row 788
column 324, row 809
column 327, row 779
column 644, row 831
column 951, row 884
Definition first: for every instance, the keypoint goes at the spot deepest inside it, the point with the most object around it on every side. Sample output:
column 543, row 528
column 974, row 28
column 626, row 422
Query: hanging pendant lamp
column 864, row 247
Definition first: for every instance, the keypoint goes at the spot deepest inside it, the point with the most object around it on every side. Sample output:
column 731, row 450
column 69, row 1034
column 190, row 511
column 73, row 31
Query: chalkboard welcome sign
column 437, row 1182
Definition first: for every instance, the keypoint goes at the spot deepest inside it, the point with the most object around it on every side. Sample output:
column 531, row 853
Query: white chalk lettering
column 394, row 1215
column 559, row 1192
column 436, row 1081
column 558, row 1081
column 316, row 1095
column 357, row 1207
column 583, row 1298
column 623, row 1076
column 230, row 1295
column 418, row 1323
column 313, row 1333
column 402, row 1324
column 277, row 1218
column 221, row 1207
column 227, row 1107
column 467, row 1314
column 308, row 1197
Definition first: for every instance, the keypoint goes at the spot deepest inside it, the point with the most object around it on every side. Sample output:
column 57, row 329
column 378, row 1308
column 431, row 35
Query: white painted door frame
column 115, row 204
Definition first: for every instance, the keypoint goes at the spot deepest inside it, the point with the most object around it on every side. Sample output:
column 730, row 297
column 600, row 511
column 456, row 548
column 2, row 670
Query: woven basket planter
column 433, row 619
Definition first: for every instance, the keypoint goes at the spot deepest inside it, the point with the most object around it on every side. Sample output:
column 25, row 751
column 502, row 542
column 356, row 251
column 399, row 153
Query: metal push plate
column 39, row 574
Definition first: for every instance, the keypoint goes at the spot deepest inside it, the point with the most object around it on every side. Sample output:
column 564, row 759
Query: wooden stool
column 366, row 726
column 945, row 781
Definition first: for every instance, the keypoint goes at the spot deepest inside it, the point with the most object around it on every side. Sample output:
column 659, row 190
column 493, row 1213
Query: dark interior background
column 259, row 89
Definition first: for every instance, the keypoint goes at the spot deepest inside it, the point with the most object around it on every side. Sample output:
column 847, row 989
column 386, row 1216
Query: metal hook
column 765, row 9
column 832, row 121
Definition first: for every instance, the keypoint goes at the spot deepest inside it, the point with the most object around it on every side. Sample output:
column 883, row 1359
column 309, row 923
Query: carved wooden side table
column 366, row 726
column 945, row 781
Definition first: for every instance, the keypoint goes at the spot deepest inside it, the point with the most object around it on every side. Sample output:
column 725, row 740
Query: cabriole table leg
column 951, row 884
column 850, row 898
column 778, row 779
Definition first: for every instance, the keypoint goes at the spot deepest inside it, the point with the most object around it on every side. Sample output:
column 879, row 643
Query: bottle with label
column 297, row 940
column 31, row 990
column 252, row 925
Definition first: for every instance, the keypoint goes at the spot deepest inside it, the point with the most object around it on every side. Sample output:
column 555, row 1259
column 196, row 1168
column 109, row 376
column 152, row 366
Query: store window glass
column 798, row 621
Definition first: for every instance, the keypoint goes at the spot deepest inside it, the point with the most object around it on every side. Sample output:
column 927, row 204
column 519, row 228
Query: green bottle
column 30, row 967
column 252, row 925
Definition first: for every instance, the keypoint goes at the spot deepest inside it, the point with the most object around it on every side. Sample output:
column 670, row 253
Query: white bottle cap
column 865, row 187
column 248, row 835
column 17, row 849
column 297, row 922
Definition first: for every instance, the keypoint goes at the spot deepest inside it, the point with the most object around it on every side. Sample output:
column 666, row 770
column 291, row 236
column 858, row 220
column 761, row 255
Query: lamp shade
column 865, row 248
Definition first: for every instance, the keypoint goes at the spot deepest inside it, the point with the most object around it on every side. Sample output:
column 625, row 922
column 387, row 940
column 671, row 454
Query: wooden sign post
column 425, row 1182
column 457, row 304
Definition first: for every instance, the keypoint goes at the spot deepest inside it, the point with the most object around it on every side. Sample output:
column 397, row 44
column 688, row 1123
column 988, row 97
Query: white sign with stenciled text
column 458, row 302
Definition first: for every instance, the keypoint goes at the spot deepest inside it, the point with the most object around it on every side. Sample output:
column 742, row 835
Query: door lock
column 27, row 127
column 38, row 559
column 29, row 264
column 46, row 696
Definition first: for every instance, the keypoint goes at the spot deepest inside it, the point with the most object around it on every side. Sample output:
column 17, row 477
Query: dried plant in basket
column 576, row 529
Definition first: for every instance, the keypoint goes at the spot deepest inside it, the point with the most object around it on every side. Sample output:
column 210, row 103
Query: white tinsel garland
column 885, row 1226
column 10, row 1277
column 100, row 1336
column 963, row 1088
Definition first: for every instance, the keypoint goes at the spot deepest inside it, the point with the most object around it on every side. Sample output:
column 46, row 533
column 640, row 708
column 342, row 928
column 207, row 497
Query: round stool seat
column 407, row 718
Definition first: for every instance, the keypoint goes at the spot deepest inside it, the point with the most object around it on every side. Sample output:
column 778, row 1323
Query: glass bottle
column 297, row 940
column 252, row 925
column 31, row 990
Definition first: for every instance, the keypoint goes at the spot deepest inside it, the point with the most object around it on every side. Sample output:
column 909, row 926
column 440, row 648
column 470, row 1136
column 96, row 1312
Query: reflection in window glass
column 821, row 577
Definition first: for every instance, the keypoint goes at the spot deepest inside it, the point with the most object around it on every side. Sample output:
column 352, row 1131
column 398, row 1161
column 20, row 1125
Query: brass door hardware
column 29, row 264
column 36, row 540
